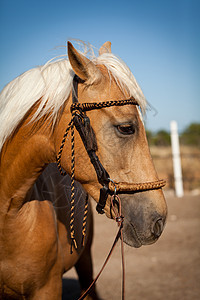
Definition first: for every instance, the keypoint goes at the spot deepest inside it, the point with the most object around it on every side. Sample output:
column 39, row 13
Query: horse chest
column 30, row 247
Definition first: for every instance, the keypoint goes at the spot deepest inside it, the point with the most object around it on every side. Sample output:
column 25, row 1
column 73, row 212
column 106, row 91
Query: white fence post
column 176, row 159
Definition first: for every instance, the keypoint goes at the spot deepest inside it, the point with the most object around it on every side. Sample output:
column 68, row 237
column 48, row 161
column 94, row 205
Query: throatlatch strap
column 73, row 240
column 85, row 221
column 63, row 173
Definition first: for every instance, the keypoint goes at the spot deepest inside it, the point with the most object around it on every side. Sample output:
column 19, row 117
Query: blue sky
column 159, row 41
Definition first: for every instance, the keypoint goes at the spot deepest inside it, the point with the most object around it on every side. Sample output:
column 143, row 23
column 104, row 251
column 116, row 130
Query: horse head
column 121, row 143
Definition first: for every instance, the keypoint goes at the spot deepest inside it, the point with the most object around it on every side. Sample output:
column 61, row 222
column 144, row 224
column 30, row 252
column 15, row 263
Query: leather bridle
column 81, row 122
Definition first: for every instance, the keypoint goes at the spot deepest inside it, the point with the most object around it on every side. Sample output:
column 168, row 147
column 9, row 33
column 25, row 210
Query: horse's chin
column 130, row 234
column 132, row 238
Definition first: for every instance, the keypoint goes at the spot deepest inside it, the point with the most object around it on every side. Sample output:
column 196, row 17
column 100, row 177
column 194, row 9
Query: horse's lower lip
column 136, row 237
column 148, row 241
column 132, row 238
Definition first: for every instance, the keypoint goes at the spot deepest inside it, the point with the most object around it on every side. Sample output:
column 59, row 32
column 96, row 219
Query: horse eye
column 126, row 129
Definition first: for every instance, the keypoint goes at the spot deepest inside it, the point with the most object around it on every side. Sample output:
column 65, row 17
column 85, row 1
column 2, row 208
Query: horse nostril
column 157, row 228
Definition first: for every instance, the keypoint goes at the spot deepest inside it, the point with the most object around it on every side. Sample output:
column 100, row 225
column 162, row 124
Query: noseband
column 82, row 124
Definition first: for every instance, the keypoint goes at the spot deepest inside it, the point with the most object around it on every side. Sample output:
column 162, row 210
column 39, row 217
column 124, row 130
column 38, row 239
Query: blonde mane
column 52, row 84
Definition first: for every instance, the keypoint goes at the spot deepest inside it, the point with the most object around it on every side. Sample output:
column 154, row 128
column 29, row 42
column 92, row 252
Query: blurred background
column 160, row 42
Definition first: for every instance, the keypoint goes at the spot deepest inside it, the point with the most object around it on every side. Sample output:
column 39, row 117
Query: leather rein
column 81, row 122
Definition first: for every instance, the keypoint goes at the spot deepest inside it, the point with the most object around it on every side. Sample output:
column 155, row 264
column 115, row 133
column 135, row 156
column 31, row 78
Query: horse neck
column 23, row 158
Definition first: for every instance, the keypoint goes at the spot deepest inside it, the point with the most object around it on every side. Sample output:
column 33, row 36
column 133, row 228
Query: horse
column 104, row 149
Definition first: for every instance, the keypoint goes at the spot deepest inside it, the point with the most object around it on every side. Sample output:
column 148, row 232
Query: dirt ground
column 169, row 269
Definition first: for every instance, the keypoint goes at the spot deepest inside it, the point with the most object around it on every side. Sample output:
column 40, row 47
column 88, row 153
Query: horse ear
column 82, row 66
column 105, row 48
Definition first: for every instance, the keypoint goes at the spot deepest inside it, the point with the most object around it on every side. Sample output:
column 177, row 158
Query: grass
column 190, row 161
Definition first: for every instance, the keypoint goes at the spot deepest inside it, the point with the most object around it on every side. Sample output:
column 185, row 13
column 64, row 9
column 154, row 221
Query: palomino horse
column 37, row 245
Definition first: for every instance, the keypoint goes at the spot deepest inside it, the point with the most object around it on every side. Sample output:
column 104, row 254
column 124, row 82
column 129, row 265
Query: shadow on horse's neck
column 23, row 159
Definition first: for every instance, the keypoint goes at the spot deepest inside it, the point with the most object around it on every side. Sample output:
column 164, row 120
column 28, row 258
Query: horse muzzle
column 144, row 217
column 134, row 237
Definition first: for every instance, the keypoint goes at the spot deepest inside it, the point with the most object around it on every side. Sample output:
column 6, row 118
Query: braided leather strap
column 58, row 157
column 124, row 187
column 82, row 124
column 72, row 210
column 84, row 221
column 98, row 105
